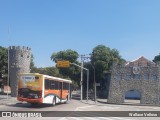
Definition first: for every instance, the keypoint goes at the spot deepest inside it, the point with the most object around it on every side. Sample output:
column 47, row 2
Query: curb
column 8, row 101
column 92, row 102
column 104, row 103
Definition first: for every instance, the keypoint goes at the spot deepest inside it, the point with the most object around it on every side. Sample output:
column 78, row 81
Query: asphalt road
column 79, row 110
column 87, row 110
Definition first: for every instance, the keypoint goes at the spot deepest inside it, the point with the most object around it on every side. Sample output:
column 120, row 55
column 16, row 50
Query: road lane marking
column 95, row 118
column 78, row 108
column 110, row 108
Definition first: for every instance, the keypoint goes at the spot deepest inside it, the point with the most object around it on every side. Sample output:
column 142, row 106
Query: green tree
column 32, row 65
column 115, row 57
column 52, row 71
column 102, row 59
column 156, row 58
column 72, row 72
column 3, row 61
column 68, row 54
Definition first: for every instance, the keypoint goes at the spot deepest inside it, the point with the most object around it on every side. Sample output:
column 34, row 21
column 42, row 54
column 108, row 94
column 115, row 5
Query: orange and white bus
column 38, row 88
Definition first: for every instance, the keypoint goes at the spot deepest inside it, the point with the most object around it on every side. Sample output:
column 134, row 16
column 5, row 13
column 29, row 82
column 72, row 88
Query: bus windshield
column 30, row 82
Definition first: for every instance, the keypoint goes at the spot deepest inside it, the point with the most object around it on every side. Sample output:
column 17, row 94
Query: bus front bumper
column 30, row 100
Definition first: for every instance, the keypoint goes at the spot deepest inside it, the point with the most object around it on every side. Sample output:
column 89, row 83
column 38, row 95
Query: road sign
column 63, row 63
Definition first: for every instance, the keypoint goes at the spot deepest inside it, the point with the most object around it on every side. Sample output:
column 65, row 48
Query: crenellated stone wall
column 146, row 80
column 19, row 62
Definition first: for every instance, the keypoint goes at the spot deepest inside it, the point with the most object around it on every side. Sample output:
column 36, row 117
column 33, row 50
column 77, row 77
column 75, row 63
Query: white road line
column 106, row 118
column 94, row 118
column 121, row 118
column 74, row 118
column 78, row 108
column 97, row 118
column 109, row 108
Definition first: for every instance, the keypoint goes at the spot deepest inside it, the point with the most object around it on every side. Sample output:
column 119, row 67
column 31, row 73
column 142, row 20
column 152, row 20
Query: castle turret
column 19, row 62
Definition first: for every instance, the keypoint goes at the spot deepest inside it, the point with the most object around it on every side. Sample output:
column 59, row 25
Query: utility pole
column 87, row 83
column 8, row 63
column 81, row 82
column 94, row 82
column 95, row 94
column 87, row 77
column 95, row 91
column 8, row 75
column 83, row 57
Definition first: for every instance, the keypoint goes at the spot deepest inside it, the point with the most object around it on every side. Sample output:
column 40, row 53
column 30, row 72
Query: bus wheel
column 54, row 101
column 66, row 100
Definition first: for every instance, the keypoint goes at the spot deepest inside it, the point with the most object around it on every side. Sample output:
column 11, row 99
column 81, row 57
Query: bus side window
column 52, row 84
column 47, row 84
column 60, row 85
column 65, row 86
column 56, row 85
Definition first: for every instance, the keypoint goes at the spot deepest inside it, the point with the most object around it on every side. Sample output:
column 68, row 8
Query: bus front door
column 61, row 88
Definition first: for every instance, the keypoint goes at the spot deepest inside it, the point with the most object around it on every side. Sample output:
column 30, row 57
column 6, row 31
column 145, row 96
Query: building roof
column 142, row 60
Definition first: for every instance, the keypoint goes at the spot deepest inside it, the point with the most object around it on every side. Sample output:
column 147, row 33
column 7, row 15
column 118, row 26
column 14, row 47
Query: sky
column 46, row 26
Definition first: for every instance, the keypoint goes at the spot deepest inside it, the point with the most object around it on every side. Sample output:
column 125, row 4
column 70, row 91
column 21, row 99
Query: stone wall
column 146, row 80
column 19, row 62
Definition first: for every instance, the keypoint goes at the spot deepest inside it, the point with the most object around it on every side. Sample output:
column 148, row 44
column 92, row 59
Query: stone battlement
column 19, row 48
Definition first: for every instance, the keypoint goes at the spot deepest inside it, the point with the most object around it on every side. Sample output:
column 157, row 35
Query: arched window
column 128, row 77
column 146, row 76
column 154, row 77
column 118, row 77
column 136, row 76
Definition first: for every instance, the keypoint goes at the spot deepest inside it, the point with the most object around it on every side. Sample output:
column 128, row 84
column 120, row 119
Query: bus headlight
column 36, row 96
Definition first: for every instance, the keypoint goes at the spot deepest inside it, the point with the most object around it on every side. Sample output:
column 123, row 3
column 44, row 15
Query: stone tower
column 19, row 62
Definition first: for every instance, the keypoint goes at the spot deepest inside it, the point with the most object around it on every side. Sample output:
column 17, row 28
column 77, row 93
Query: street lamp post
column 95, row 86
column 81, row 83
column 94, row 77
column 94, row 82
column 87, row 83
column 8, row 75
column 87, row 77
column 8, row 62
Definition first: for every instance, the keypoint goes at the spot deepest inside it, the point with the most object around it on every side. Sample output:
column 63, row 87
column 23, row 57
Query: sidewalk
column 99, row 102
column 4, row 100
column 103, row 102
